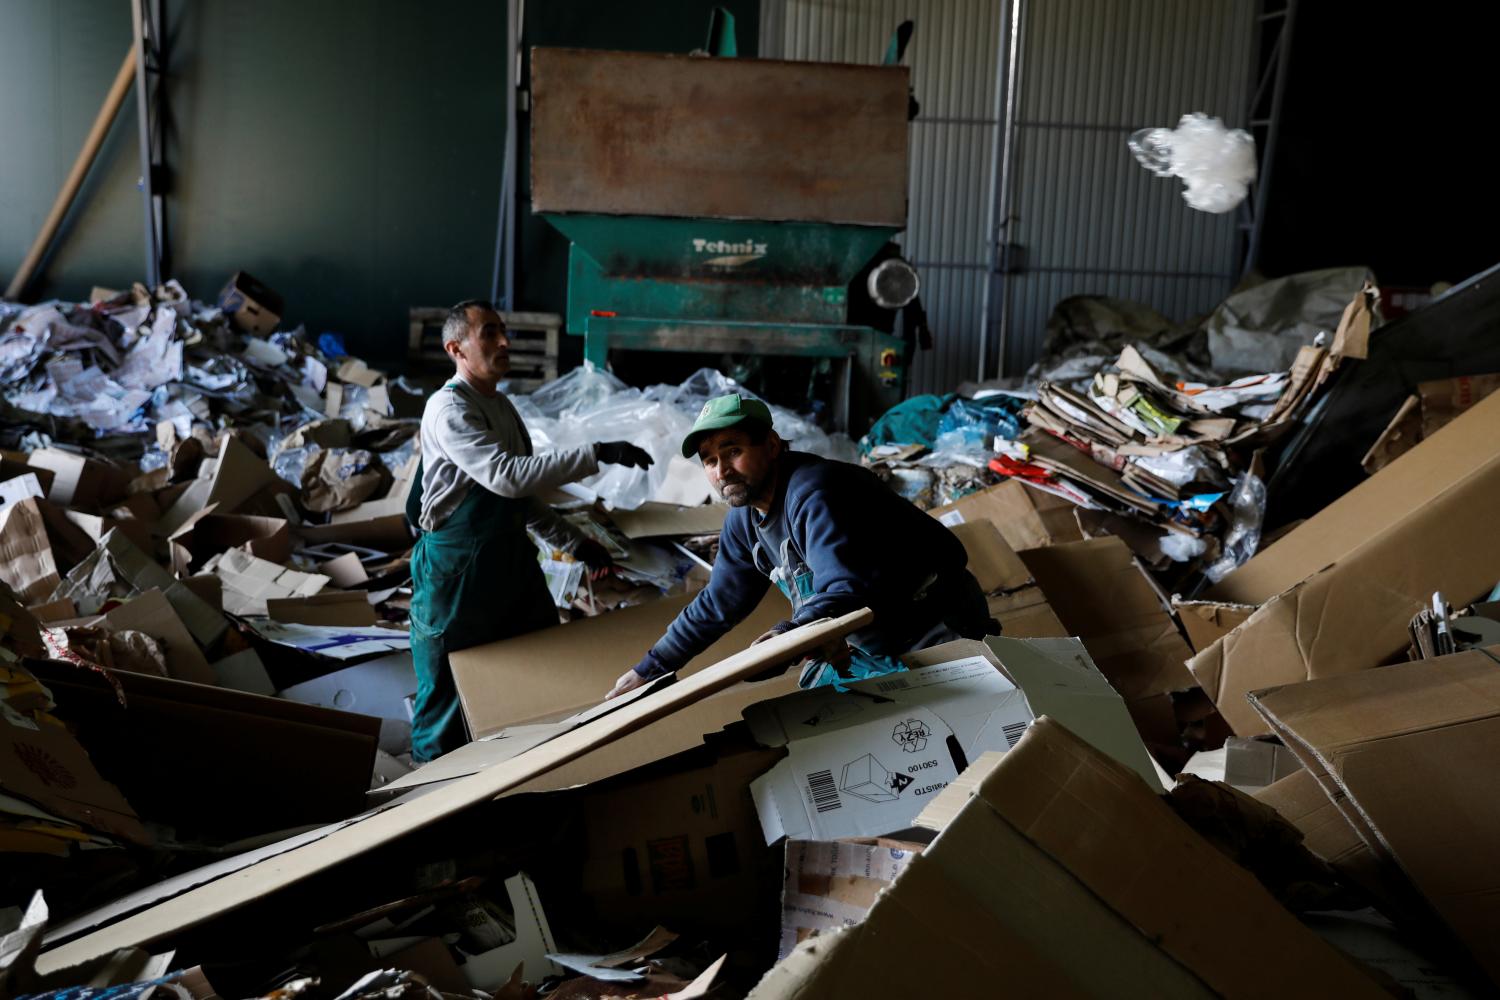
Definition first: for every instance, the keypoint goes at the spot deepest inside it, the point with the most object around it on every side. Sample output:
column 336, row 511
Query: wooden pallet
column 534, row 339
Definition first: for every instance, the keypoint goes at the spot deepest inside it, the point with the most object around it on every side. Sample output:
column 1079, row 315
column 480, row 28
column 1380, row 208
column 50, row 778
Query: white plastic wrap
column 1181, row 548
column 1216, row 164
column 588, row 405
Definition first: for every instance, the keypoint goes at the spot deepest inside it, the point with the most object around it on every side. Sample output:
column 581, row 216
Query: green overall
column 474, row 580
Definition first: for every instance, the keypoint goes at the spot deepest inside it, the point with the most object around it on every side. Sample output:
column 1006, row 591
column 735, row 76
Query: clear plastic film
column 589, row 405
column 1247, row 511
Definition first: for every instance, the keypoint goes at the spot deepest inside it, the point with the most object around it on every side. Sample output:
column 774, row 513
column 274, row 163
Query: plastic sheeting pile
column 588, row 404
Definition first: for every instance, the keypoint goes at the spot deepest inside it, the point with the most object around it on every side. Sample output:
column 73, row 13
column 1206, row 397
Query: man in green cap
column 832, row 537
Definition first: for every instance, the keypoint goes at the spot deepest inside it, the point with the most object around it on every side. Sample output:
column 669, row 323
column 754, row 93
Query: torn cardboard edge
column 339, row 843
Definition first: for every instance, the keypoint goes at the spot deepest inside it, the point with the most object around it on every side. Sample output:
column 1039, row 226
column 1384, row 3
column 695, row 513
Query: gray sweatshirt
column 469, row 438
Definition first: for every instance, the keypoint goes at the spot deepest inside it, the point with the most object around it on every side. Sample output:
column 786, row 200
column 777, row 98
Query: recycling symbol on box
column 911, row 735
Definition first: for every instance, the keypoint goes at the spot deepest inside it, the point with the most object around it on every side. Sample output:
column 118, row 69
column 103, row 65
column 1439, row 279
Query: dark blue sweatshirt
column 864, row 546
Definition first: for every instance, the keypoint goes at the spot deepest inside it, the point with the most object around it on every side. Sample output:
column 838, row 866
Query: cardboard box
column 208, row 760
column 1064, row 875
column 1027, row 518
column 555, row 672
column 250, row 305
column 677, row 843
column 249, row 583
column 170, row 908
column 1014, row 599
column 228, row 483
column 1247, row 764
column 79, row 481
column 864, row 763
column 832, row 884
column 1206, row 622
column 1409, row 755
column 1422, row 524
column 201, row 538
column 1100, row 594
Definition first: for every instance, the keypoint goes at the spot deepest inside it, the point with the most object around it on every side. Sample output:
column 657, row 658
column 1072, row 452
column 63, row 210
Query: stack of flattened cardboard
column 1336, row 594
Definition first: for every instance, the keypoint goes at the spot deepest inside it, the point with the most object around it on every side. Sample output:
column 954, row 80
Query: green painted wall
column 346, row 152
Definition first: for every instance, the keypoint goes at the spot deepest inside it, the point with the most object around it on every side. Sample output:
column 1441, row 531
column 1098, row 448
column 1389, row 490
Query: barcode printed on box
column 1013, row 733
column 825, row 794
column 895, row 684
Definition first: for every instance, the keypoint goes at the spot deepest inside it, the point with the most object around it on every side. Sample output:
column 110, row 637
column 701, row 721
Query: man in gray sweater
column 475, row 575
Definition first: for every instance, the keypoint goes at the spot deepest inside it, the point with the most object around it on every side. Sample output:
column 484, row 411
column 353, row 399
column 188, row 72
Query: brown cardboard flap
column 1410, row 754
column 1102, row 596
column 259, row 879
column 1027, row 518
column 351, row 607
column 1391, row 503
column 555, row 672
column 664, row 520
column 994, row 563
column 1056, row 790
column 1206, row 622
column 1354, row 615
column 152, row 613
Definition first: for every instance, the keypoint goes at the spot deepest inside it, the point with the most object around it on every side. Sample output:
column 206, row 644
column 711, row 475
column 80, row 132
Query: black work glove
column 594, row 555
column 622, row 453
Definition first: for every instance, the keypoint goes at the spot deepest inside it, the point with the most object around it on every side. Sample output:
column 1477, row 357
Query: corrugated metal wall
column 953, row 56
column 1091, row 220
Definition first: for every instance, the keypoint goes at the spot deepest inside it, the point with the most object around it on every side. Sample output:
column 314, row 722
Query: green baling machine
column 730, row 205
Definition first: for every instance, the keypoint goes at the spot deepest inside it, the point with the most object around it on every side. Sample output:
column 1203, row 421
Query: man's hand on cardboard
column 629, row 681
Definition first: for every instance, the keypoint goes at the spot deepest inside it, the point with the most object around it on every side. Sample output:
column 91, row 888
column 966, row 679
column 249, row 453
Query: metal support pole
column 146, row 15
column 1273, row 130
column 503, row 277
column 1000, row 232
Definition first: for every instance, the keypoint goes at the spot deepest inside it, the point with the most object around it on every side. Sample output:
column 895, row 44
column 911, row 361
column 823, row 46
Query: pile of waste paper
column 205, row 691
column 1153, row 432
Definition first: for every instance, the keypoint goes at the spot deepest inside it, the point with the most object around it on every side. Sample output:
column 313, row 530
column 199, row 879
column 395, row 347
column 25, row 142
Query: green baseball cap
column 721, row 412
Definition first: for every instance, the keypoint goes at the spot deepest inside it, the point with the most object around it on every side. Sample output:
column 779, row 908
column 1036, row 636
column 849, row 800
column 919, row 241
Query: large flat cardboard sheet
column 548, row 675
column 423, row 807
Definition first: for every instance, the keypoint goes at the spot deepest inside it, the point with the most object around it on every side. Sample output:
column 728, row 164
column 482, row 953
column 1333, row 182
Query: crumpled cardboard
column 249, row 582
column 27, row 564
column 118, row 569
